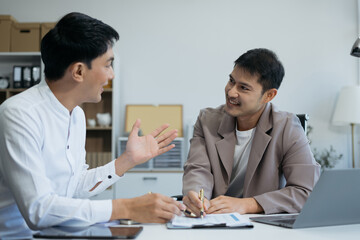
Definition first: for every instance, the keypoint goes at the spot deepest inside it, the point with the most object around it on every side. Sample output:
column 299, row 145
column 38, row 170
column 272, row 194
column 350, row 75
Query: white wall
column 181, row 52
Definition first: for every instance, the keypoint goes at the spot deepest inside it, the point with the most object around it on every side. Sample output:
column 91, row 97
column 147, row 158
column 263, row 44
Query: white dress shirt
column 43, row 173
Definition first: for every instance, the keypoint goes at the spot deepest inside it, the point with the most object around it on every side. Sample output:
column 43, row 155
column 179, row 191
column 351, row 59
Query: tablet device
column 92, row 232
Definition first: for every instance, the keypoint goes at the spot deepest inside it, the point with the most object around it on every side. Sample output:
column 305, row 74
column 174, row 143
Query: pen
column 189, row 213
column 201, row 196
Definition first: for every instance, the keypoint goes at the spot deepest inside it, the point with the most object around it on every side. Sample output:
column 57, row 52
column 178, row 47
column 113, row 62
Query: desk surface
column 260, row 231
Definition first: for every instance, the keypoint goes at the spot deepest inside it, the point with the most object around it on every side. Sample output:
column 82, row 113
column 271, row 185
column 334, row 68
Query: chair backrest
column 303, row 120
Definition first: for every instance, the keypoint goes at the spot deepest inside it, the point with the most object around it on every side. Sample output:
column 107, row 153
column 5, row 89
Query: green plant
column 327, row 158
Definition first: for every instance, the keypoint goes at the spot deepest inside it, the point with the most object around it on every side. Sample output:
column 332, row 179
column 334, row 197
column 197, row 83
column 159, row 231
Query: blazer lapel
column 259, row 145
column 226, row 146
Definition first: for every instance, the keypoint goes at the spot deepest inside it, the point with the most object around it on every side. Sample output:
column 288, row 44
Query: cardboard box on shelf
column 6, row 22
column 45, row 28
column 25, row 37
column 153, row 116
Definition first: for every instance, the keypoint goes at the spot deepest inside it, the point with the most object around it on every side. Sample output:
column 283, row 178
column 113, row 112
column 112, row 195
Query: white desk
column 260, row 231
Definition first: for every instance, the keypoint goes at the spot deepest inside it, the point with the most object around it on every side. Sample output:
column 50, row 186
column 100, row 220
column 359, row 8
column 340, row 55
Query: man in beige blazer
column 248, row 156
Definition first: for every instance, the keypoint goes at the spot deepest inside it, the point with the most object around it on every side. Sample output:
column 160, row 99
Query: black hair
column 265, row 64
column 75, row 38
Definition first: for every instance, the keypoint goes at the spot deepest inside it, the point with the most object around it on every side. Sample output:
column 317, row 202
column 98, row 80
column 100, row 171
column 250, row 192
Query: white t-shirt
column 42, row 163
column 241, row 158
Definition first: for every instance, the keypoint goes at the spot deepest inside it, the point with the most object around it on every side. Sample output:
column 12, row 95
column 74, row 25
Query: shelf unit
column 99, row 139
column 9, row 92
column 170, row 161
column 166, row 183
column 10, row 59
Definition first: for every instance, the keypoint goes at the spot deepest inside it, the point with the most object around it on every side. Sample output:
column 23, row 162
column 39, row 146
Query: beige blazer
column 281, row 171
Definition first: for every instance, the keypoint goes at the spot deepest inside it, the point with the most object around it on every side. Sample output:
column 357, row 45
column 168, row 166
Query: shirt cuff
column 105, row 175
column 111, row 170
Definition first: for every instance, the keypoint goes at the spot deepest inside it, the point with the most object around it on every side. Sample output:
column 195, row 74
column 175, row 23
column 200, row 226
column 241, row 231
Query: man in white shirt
column 44, row 178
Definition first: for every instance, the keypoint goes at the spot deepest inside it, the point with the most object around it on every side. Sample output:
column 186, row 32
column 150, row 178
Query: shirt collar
column 44, row 87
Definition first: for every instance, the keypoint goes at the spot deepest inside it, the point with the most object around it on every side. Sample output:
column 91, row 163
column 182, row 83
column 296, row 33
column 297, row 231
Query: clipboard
column 222, row 221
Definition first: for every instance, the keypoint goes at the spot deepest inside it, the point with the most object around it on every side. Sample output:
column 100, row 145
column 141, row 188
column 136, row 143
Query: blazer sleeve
column 197, row 169
column 299, row 168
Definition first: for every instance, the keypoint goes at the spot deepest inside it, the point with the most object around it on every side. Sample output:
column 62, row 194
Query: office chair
column 303, row 120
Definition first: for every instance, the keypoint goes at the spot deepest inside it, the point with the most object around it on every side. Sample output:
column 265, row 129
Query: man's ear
column 269, row 95
column 77, row 71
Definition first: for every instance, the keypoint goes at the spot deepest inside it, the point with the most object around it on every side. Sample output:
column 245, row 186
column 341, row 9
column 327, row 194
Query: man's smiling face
column 244, row 94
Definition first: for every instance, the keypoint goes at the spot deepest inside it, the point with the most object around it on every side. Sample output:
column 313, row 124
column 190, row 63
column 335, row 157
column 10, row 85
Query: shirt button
column 109, row 177
column 67, row 147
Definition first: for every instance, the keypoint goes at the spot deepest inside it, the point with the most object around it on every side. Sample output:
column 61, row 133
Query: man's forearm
column 120, row 209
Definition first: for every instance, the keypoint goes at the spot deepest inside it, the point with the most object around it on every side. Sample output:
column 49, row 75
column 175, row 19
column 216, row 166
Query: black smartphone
column 92, row 232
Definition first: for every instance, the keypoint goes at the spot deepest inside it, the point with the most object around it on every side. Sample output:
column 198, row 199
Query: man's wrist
column 123, row 163
column 120, row 209
column 253, row 206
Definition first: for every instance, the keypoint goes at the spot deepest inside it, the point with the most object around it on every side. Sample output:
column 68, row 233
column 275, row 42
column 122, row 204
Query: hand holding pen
column 196, row 204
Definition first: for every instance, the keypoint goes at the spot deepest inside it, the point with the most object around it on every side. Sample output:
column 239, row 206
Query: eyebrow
column 110, row 59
